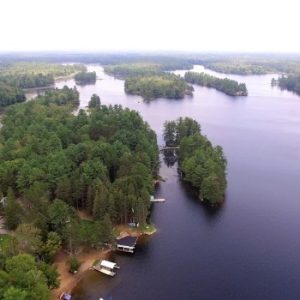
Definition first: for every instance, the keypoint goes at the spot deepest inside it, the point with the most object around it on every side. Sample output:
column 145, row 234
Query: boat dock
column 127, row 244
column 157, row 200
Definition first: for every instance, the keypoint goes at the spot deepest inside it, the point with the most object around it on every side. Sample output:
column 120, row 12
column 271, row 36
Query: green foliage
column 240, row 67
column 145, row 68
column 22, row 277
column 52, row 245
column 10, row 95
column 95, row 101
column 13, row 293
column 31, row 75
column 227, row 86
column 175, row 131
column 85, row 77
column 29, row 238
column 133, row 70
column 252, row 64
column 74, row 264
column 290, row 83
column 203, row 165
column 51, row 274
column 158, row 86
column 54, row 160
column 59, row 214
column 12, row 211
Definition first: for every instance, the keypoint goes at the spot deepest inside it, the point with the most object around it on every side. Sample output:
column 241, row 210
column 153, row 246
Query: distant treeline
column 30, row 74
column 25, row 81
column 23, row 75
column 85, row 77
column 144, row 69
column 290, row 83
column 227, row 86
column 238, row 67
column 203, row 165
column 164, row 85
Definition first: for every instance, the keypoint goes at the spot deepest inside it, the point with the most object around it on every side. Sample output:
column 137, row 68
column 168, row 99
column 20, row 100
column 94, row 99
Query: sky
column 150, row 25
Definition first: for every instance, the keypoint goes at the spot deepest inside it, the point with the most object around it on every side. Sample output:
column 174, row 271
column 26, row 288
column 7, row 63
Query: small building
column 65, row 296
column 127, row 244
column 106, row 267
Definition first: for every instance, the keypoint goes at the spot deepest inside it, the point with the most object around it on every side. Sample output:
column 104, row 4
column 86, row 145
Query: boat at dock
column 106, row 267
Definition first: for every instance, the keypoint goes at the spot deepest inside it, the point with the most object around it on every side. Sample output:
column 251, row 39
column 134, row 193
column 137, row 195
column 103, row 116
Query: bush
column 74, row 264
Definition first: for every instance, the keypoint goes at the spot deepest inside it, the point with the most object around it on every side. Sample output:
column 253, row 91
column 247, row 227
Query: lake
column 247, row 249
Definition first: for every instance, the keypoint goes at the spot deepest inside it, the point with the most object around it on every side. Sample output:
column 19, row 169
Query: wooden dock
column 165, row 148
column 158, row 200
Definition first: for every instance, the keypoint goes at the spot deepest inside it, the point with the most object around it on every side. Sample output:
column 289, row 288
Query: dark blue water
column 250, row 247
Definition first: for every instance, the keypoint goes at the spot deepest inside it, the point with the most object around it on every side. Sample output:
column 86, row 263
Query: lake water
column 247, row 249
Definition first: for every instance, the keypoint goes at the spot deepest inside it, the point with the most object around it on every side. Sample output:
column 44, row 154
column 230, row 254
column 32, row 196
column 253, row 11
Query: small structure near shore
column 157, row 200
column 106, row 267
column 65, row 296
column 127, row 244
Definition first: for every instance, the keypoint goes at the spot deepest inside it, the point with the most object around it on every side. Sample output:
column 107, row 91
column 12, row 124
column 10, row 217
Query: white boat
column 106, row 267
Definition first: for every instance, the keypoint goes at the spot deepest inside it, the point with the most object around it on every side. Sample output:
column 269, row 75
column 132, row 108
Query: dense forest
column 290, row 83
column 85, row 77
column 239, row 67
column 202, row 164
column 52, row 163
column 144, row 69
column 252, row 64
column 31, row 75
column 10, row 95
column 132, row 70
column 227, row 86
column 158, row 86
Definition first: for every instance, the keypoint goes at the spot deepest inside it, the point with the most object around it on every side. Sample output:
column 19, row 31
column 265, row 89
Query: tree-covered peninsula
column 85, row 78
column 227, row 86
column 31, row 75
column 52, row 163
column 202, row 164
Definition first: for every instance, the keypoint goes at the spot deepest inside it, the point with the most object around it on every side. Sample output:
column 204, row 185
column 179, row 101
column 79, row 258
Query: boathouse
column 126, row 244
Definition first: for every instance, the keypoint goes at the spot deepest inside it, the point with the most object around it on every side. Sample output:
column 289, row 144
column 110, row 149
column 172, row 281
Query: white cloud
column 189, row 25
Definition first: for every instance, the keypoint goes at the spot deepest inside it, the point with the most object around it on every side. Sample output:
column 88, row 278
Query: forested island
column 289, row 82
column 227, row 86
column 158, row 86
column 85, row 78
column 150, row 80
column 202, row 164
column 53, row 163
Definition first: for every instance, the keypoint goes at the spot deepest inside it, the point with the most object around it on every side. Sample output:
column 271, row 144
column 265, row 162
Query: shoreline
column 68, row 280
column 87, row 257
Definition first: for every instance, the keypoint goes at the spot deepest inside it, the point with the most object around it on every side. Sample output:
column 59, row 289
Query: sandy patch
column 67, row 280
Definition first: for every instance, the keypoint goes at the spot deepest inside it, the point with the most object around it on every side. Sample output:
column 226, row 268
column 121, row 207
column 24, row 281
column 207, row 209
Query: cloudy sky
column 136, row 25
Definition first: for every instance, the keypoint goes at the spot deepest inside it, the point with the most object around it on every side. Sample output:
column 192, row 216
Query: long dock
column 158, row 200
